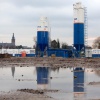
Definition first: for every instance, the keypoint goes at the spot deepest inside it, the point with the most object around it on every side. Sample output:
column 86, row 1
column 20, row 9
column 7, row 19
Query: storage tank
column 78, row 26
column 43, row 34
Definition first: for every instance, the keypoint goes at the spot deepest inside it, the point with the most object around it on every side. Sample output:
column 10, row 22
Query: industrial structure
column 19, row 52
column 43, row 45
column 43, row 36
column 79, row 40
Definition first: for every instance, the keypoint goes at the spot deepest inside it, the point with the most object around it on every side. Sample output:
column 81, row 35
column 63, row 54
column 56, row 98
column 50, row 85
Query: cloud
column 22, row 16
column 38, row 3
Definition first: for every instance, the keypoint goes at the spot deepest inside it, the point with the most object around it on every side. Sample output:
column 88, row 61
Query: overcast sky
column 21, row 17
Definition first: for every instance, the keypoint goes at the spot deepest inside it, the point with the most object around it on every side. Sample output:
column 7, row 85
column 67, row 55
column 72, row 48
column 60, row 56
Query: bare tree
column 96, row 43
column 35, row 41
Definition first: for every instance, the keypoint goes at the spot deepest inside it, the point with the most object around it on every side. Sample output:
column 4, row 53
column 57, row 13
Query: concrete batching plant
column 43, row 41
column 78, row 27
column 43, row 32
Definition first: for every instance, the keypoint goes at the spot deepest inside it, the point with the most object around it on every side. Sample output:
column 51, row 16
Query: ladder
column 85, row 27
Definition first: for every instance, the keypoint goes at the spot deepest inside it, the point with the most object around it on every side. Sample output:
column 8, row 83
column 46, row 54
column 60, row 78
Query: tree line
column 55, row 44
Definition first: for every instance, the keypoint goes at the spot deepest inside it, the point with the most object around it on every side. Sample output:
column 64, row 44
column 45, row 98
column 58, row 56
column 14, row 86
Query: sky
column 21, row 17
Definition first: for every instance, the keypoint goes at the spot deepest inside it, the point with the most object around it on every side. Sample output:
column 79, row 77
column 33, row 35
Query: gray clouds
column 38, row 3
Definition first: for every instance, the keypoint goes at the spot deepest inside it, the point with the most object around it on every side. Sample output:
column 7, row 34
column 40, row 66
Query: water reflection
column 42, row 77
column 78, row 82
column 69, row 83
column 55, row 69
column 97, row 72
column 13, row 71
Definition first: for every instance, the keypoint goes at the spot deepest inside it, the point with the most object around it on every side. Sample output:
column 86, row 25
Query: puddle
column 71, row 83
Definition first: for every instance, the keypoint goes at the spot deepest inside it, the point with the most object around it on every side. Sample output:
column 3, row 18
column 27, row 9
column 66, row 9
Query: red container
column 23, row 54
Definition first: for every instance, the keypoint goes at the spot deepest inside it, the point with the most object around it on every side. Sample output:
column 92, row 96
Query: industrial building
column 94, row 53
column 43, row 45
column 19, row 52
column 65, row 53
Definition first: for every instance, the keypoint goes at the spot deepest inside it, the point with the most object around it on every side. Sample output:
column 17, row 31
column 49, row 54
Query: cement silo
column 78, row 26
column 43, row 35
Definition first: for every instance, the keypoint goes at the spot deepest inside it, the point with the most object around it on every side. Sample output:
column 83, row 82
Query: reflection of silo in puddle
column 13, row 71
column 42, row 77
column 78, row 82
